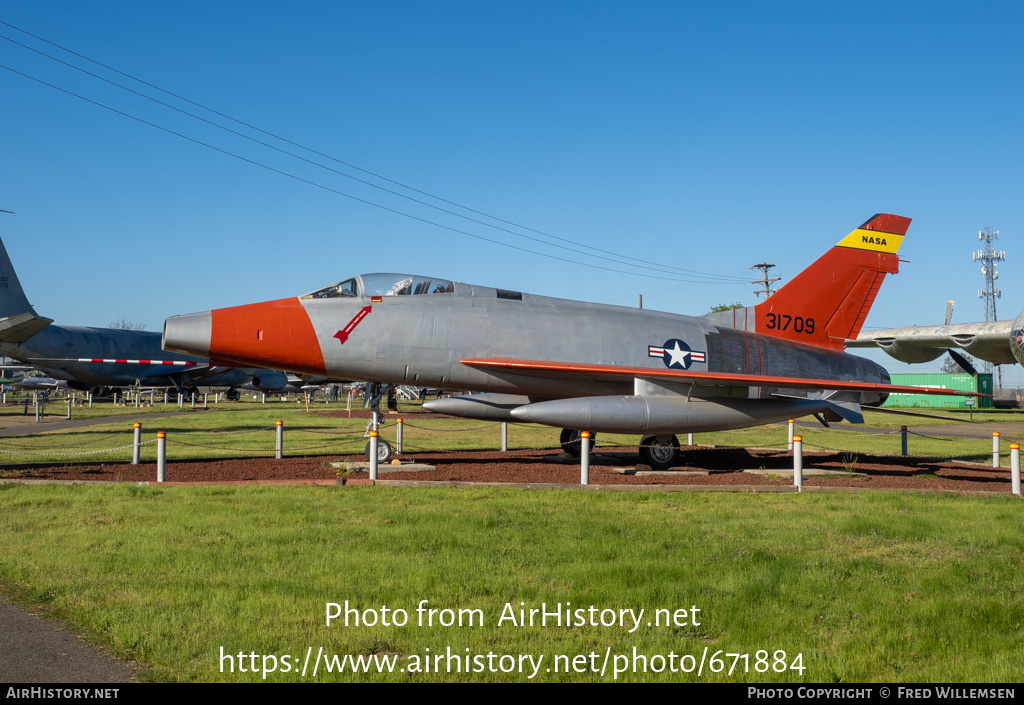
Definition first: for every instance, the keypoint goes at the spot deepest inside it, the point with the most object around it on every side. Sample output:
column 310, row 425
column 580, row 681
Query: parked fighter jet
column 99, row 359
column 35, row 381
column 581, row 365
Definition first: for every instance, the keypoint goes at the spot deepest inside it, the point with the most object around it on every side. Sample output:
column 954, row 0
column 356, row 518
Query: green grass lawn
column 871, row 587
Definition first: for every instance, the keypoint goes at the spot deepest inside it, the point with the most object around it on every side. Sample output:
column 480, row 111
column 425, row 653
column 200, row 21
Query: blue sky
column 692, row 136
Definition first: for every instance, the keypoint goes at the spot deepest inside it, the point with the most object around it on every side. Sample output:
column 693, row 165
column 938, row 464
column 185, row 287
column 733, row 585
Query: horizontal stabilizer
column 847, row 410
column 839, row 405
column 21, row 327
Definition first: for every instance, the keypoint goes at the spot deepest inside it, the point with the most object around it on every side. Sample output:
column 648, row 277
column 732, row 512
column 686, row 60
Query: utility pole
column 989, row 257
column 765, row 282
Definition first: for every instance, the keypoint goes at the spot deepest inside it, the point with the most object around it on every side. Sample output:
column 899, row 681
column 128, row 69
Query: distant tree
column 950, row 367
column 123, row 323
column 725, row 307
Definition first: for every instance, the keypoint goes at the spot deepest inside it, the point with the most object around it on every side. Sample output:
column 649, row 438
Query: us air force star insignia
column 676, row 354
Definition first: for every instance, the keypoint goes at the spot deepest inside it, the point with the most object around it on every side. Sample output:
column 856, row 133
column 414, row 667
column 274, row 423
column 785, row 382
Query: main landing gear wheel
column 383, row 451
column 660, row 452
column 572, row 441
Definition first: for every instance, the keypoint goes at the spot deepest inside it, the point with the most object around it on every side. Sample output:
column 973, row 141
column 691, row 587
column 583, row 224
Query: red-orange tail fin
column 827, row 302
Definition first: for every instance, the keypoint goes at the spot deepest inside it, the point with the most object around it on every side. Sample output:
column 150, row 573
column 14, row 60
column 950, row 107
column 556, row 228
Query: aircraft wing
column 545, row 368
column 989, row 341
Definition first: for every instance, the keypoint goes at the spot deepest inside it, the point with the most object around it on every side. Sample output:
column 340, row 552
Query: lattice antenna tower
column 765, row 282
column 989, row 257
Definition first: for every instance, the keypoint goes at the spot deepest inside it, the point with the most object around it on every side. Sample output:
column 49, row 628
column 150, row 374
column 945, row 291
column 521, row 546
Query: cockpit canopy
column 383, row 285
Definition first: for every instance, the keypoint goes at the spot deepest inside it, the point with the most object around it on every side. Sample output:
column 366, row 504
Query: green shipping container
column 962, row 381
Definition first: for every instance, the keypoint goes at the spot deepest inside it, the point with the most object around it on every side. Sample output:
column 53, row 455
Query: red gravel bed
column 724, row 466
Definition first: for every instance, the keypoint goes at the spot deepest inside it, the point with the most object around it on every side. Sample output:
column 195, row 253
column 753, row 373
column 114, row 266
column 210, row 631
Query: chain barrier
column 451, row 430
column 222, row 433
column 937, row 438
column 70, row 445
column 318, row 432
column 84, row 452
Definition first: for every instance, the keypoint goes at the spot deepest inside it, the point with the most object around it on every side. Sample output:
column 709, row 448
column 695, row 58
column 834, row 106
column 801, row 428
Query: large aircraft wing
column 993, row 341
column 545, row 368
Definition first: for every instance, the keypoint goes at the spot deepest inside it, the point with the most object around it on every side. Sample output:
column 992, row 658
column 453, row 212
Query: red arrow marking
column 342, row 335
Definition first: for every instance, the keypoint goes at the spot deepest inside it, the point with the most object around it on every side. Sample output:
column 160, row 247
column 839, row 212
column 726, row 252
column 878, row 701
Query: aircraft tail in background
column 18, row 320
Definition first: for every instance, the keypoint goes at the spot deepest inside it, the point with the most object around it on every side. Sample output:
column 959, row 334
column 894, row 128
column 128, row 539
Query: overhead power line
column 334, row 190
column 576, row 248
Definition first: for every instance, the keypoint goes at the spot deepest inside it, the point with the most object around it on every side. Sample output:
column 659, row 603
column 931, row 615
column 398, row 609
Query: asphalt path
column 19, row 427
column 38, row 650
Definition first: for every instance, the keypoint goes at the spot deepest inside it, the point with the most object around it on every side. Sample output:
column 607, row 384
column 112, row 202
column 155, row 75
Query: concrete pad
column 382, row 467
column 635, row 471
column 600, row 459
column 807, row 472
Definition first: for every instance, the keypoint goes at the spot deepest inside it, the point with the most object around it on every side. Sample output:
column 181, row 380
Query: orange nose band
column 273, row 330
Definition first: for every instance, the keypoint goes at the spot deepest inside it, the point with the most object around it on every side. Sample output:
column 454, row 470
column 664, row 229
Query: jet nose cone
column 189, row 333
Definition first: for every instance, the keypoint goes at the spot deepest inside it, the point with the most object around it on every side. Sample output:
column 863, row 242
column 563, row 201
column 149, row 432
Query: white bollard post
column 995, row 449
column 790, row 445
column 35, row 402
column 137, row 450
column 1015, row 468
column 264, row 400
column 280, row 440
column 69, row 407
column 504, row 436
column 373, row 454
column 193, row 400
column 161, row 456
column 798, row 461
column 689, row 439
column 90, row 400
column 585, row 458
column 206, row 400
column 398, row 443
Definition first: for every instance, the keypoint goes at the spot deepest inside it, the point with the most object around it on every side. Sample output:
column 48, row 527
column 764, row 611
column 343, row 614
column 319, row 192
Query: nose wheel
column 660, row 452
column 383, row 451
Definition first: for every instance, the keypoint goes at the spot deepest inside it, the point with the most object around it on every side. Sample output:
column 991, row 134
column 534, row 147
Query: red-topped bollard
column 161, row 456
column 280, row 440
column 1015, row 468
column 798, row 461
column 373, row 455
column 585, row 458
column 137, row 450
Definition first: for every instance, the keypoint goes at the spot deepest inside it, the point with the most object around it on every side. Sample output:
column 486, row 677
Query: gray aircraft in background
column 998, row 342
column 582, row 366
column 103, row 359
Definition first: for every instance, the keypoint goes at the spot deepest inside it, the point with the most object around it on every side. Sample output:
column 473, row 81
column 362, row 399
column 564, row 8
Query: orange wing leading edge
column 827, row 303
